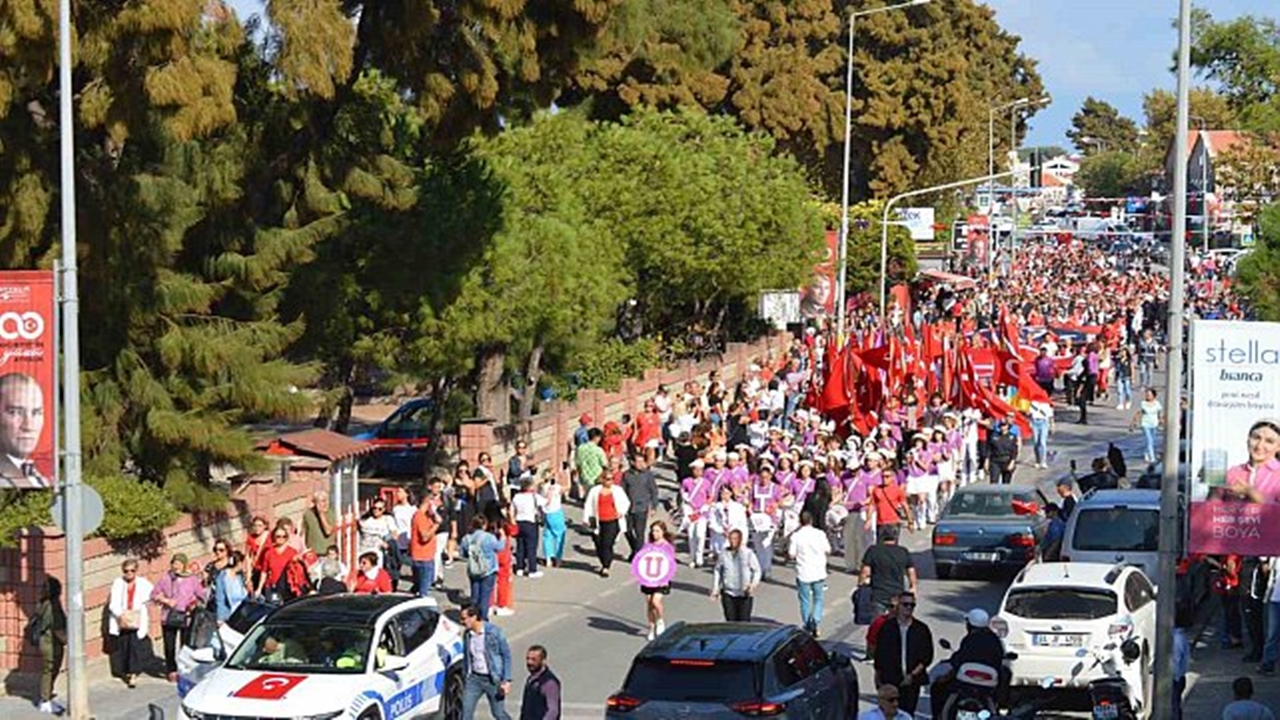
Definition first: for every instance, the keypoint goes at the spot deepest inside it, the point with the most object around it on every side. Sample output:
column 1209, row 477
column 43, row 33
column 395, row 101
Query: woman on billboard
column 1258, row 479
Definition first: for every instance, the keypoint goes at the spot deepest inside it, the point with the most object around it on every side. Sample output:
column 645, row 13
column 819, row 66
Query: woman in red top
column 370, row 579
column 891, row 501
column 274, row 560
column 255, row 542
column 605, row 512
column 647, row 430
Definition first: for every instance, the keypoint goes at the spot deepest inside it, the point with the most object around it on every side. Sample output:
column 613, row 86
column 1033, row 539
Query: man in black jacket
column 918, row 640
column 542, row 697
column 1002, row 455
column 980, row 645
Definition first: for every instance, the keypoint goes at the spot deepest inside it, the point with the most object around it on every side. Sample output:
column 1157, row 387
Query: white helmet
column 977, row 618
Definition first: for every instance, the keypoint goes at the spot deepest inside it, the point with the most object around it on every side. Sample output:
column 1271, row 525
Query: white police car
column 355, row 657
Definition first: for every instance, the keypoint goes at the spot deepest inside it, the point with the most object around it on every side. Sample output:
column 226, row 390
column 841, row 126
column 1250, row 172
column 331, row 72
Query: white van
column 1116, row 526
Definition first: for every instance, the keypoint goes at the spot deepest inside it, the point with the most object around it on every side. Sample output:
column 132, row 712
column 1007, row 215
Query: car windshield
column 692, row 680
column 1060, row 603
column 985, row 504
column 1116, row 529
column 304, row 647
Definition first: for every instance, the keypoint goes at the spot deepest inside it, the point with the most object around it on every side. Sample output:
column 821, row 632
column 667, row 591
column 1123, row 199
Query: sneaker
column 661, row 627
column 50, row 707
column 1267, row 669
column 503, row 612
column 519, row 573
column 652, row 634
column 537, row 574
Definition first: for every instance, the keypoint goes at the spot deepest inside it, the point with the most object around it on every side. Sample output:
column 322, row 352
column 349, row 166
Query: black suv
column 733, row 670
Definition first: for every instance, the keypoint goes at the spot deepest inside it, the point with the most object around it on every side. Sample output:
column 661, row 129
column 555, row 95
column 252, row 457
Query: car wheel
column 371, row 714
column 943, row 571
column 451, row 699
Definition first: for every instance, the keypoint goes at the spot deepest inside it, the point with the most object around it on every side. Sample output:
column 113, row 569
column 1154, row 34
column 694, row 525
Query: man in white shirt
column 886, row 706
column 809, row 547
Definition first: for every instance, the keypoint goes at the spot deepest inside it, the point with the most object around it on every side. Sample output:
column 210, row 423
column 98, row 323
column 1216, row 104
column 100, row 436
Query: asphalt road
column 592, row 626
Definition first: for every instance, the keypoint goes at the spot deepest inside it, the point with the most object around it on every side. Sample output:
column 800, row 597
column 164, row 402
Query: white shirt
column 876, row 714
column 403, row 515
column 526, row 504
column 809, row 547
column 552, row 495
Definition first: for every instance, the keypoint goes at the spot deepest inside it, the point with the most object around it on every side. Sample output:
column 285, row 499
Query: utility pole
column 77, row 681
column 1170, row 497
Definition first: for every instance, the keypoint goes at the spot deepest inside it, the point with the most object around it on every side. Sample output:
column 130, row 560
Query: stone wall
column 550, row 432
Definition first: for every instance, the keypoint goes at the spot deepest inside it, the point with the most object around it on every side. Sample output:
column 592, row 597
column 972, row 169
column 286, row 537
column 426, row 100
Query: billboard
column 978, row 240
column 780, row 307
column 919, row 221
column 818, row 298
column 28, row 396
column 1234, row 460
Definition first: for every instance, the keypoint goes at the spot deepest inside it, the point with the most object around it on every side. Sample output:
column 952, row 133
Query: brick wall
column 550, row 432
column 42, row 552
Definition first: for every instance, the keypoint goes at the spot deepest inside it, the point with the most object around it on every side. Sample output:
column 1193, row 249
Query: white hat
column 977, row 618
column 735, row 455
column 697, row 464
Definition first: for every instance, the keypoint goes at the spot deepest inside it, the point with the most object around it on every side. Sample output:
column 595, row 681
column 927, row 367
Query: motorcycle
column 973, row 692
column 1110, row 697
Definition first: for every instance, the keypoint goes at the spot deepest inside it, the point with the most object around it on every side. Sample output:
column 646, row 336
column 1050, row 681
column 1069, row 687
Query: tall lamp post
column 884, row 222
column 1170, row 530
column 1013, row 155
column 848, row 144
column 991, row 146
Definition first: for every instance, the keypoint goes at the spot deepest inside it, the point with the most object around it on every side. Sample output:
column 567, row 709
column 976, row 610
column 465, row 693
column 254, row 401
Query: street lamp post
column 884, row 223
column 992, row 110
column 1013, row 155
column 841, row 287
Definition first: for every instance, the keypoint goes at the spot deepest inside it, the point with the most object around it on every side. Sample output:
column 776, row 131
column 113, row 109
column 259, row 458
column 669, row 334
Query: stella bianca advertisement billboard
column 1235, row 438
column 27, row 393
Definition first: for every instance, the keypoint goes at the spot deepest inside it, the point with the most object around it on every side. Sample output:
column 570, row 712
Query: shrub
column 21, row 509
column 606, row 364
column 132, row 507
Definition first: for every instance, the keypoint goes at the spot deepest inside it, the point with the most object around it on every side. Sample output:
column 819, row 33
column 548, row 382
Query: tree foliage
column 1258, row 274
column 1114, row 174
column 1099, row 127
column 1242, row 56
column 1209, row 109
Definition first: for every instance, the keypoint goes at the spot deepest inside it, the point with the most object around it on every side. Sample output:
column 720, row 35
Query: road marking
column 568, row 614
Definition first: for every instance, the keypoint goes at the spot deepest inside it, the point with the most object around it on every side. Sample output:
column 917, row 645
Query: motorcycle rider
column 980, row 645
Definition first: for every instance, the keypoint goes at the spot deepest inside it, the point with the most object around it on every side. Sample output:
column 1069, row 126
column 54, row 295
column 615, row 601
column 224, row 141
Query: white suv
column 1059, row 618
column 1115, row 526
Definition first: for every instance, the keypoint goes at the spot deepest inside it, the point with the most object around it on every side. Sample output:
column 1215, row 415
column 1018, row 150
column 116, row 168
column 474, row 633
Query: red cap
column 585, row 419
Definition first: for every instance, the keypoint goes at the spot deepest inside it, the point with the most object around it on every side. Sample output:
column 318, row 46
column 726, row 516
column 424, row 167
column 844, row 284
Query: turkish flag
column 269, row 686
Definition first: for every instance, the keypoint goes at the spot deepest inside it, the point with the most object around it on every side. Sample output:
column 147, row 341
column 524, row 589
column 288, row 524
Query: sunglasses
column 379, row 507
column 280, row 536
column 906, row 605
column 889, row 700
column 219, row 549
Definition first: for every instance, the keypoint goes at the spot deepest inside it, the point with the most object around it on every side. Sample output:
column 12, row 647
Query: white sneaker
column 652, row 634
column 661, row 627
column 537, row 574
column 503, row 612
column 51, row 707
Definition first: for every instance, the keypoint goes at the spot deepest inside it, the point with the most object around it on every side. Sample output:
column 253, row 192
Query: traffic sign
column 91, row 509
column 654, row 565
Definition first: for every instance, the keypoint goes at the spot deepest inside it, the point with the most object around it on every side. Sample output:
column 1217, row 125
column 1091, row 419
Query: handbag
column 177, row 619
column 128, row 620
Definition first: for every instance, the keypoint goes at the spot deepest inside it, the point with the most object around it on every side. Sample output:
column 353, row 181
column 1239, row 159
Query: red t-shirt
column 379, row 585
column 422, row 537
column 648, row 427
column 606, row 508
column 273, row 563
column 887, row 498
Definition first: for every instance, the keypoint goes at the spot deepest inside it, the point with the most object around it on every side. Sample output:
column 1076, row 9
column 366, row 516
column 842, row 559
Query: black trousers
column 1001, row 473
column 129, row 654
column 637, row 529
column 606, row 536
column 737, row 608
column 171, row 637
column 1255, row 614
column 527, row 547
column 908, row 698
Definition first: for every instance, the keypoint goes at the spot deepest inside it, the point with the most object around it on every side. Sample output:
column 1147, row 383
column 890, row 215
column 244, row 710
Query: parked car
column 339, row 657
column 734, row 670
column 1058, row 617
column 401, row 441
column 988, row 526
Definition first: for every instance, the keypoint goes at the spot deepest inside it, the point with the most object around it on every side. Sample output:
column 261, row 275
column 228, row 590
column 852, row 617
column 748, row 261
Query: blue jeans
column 424, row 574
column 1124, row 390
column 1271, row 648
column 482, row 593
column 811, row 602
column 553, row 536
column 1144, row 374
column 476, row 686
column 1040, row 439
column 1149, row 433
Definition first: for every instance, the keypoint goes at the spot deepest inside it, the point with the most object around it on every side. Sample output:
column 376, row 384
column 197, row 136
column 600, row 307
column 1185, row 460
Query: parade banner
column 818, row 298
column 978, row 239
column 1233, row 464
column 28, row 395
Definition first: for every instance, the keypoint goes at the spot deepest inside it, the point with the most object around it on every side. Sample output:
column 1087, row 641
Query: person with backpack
column 480, row 548
column 47, row 630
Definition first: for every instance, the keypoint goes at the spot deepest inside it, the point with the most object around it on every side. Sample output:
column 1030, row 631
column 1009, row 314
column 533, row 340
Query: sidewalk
column 109, row 700
column 1213, row 669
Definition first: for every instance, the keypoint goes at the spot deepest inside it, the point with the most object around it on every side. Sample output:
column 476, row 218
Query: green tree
column 1241, row 56
column 1209, row 108
column 1258, row 275
column 1113, row 174
column 1099, row 127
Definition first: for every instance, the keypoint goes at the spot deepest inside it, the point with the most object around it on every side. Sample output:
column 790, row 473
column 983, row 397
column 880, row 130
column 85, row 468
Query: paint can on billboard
column 27, row 392
column 1234, row 458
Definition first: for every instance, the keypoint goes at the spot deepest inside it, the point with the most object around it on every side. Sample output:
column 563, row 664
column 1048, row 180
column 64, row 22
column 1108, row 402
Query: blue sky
column 1115, row 50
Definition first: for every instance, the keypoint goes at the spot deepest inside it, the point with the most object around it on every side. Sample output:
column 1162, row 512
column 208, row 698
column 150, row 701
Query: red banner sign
column 28, row 396
column 818, row 298
column 1225, row 528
